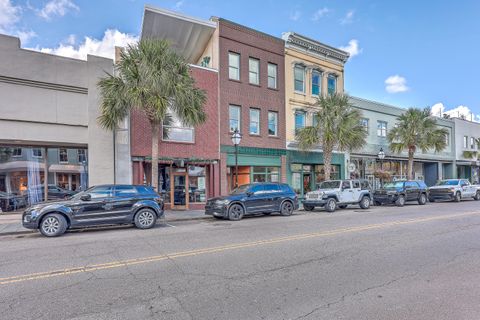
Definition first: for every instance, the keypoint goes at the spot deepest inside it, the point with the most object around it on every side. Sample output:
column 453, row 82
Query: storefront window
column 320, row 173
column 266, row 174
column 197, row 184
column 164, row 182
column 23, row 178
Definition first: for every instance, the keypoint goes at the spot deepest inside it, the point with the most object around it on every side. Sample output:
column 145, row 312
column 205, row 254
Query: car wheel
column 331, row 205
column 53, row 225
column 286, row 209
column 377, row 203
column 400, row 201
column 458, row 197
column 145, row 219
column 422, row 199
column 431, row 199
column 365, row 203
column 235, row 212
column 477, row 196
column 306, row 207
column 343, row 206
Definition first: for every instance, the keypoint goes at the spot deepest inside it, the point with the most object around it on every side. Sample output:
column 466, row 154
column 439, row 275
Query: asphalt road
column 415, row 262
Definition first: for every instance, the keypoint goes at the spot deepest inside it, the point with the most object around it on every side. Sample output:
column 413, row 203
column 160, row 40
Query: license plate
column 313, row 196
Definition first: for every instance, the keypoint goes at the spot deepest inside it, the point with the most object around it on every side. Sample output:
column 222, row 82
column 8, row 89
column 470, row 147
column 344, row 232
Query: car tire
column 422, row 200
column 286, row 208
column 343, row 206
column 400, row 202
column 365, row 203
column 235, row 212
column 331, row 205
column 431, row 200
column 477, row 196
column 218, row 217
column 306, row 207
column 458, row 197
column 145, row 219
column 377, row 203
column 53, row 225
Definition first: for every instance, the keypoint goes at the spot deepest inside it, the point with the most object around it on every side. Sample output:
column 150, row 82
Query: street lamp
column 85, row 175
column 381, row 156
column 236, row 138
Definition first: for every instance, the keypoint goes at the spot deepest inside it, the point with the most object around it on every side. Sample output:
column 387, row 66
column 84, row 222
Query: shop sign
column 351, row 167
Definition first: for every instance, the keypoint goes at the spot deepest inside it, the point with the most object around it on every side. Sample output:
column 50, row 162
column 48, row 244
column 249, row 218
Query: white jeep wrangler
column 339, row 193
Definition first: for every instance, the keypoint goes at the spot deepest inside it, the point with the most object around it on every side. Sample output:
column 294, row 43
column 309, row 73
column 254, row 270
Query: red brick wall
column 206, row 144
column 250, row 43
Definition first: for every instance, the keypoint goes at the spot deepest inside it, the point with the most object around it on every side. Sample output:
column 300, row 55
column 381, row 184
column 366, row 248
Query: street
column 414, row 262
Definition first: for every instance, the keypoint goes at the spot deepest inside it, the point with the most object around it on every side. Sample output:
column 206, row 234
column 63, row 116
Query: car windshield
column 393, row 185
column 329, row 185
column 447, row 183
column 241, row 189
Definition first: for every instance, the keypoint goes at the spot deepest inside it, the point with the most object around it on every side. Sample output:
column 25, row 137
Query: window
column 299, row 120
column 37, row 152
column 63, row 155
column 364, row 124
column 234, row 112
column 332, row 84
column 100, row 192
column 299, row 75
column 233, row 66
column 145, row 190
column 82, row 155
column 272, row 76
column 447, row 139
column 175, row 130
column 197, row 184
column 266, row 174
column 346, row 185
column 272, row 123
column 258, row 189
column 381, row 128
column 254, row 70
column 316, row 82
column 16, row 152
column 254, row 121
column 472, row 143
column 314, row 119
column 465, row 142
column 356, row 184
column 125, row 191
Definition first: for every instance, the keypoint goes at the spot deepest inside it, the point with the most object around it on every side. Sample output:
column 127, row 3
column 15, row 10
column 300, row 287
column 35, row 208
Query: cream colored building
column 311, row 69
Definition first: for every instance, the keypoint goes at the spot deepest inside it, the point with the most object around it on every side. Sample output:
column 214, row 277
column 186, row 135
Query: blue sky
column 427, row 49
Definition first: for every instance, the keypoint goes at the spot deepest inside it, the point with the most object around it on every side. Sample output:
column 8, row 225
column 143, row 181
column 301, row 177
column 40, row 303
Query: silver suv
column 339, row 193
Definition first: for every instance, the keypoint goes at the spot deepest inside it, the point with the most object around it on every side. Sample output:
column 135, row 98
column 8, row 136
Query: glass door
column 179, row 190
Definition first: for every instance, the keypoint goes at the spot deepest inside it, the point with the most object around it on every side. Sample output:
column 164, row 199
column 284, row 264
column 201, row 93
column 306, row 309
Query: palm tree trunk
column 327, row 162
column 410, row 165
column 155, row 132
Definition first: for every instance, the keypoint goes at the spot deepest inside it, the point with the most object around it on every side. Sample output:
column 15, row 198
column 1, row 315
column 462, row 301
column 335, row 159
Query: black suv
column 252, row 199
column 100, row 205
column 400, row 192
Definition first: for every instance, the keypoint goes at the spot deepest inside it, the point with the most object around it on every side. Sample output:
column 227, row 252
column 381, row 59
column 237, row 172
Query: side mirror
column 86, row 197
column 249, row 193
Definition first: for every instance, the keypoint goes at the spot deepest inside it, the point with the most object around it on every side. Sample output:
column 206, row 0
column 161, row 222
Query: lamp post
column 236, row 139
column 85, row 175
column 381, row 156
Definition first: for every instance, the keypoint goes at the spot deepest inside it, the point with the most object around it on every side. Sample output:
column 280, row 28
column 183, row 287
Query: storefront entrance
column 179, row 190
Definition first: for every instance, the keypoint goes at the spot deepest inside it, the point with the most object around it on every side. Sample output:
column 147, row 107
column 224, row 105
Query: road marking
column 190, row 253
column 170, row 225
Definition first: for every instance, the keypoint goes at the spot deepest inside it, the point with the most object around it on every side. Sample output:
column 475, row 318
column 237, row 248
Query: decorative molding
column 295, row 40
column 43, row 85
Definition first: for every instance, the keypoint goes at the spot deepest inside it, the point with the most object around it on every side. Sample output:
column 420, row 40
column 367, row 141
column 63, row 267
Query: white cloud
column 104, row 47
column 395, row 84
column 320, row 13
column 348, row 17
column 25, row 36
column 353, row 48
column 178, row 4
column 71, row 40
column 9, row 15
column 296, row 15
column 57, row 8
column 464, row 112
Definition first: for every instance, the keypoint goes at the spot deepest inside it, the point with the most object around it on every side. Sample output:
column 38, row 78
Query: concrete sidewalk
column 11, row 224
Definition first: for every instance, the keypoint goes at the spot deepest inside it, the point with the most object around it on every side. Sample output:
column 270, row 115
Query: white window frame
column 230, row 66
column 472, row 143
column 253, row 72
column 60, row 155
column 335, row 78
column 447, row 139
column 33, row 153
column 299, row 66
column 315, row 71
column 465, row 142
column 274, row 77
column 258, row 122
column 18, row 155
column 239, row 108
column 304, row 113
column 382, row 132
column 275, row 113
column 173, row 126
column 367, row 126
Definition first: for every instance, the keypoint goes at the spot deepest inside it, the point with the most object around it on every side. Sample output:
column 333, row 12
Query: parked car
column 11, row 201
column 54, row 192
column 252, row 199
column 454, row 189
column 399, row 192
column 100, row 205
column 339, row 193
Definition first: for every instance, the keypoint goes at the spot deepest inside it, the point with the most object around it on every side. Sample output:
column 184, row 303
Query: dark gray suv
column 99, row 205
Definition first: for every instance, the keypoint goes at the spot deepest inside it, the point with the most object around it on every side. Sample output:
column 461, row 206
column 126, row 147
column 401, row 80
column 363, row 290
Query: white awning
column 188, row 36
column 66, row 168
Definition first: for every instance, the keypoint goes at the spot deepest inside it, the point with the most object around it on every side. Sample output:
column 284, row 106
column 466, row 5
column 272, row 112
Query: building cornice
column 296, row 41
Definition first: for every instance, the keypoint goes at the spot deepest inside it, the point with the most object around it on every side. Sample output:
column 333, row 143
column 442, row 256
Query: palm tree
column 152, row 78
column 415, row 130
column 337, row 127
